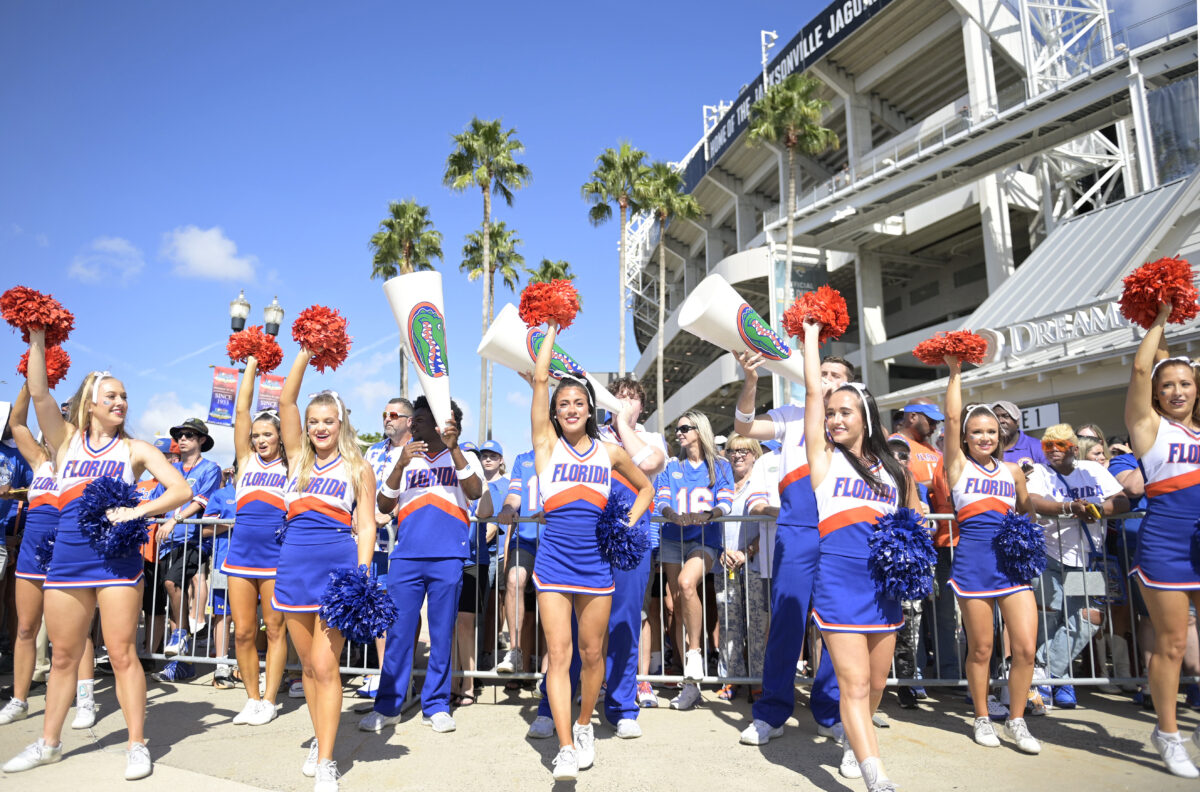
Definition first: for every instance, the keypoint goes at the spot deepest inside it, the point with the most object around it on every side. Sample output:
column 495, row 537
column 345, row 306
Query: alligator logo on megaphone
column 561, row 364
column 427, row 336
column 759, row 336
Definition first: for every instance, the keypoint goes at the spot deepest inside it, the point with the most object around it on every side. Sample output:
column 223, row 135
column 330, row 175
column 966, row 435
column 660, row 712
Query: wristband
column 643, row 455
column 742, row 417
column 465, row 473
column 388, row 492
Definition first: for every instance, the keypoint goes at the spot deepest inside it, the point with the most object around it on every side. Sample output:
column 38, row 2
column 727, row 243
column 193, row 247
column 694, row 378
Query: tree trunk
column 490, row 365
column 484, row 418
column 662, row 324
column 791, row 208
column 621, row 288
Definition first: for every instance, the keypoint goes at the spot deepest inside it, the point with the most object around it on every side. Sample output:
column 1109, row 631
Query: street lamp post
column 273, row 317
column 767, row 37
column 239, row 309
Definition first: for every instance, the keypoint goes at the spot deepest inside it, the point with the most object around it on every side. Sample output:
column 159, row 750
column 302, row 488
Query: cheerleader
column 985, row 489
column 328, row 527
column 41, row 523
column 94, row 444
column 856, row 480
column 1164, row 433
column 254, row 551
column 574, row 469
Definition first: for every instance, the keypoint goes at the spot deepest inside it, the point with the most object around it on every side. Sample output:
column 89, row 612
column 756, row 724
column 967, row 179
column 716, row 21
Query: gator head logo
column 427, row 336
column 759, row 336
column 560, row 362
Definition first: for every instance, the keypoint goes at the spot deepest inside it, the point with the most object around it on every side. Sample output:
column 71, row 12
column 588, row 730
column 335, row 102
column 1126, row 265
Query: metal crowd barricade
column 1102, row 587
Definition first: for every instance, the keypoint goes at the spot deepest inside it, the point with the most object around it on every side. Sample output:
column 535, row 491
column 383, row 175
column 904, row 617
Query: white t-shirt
column 1065, row 537
column 766, row 478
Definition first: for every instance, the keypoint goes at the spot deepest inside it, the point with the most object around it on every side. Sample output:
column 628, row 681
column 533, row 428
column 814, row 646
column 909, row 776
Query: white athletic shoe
column 759, row 733
column 309, row 768
column 263, row 714
column 14, row 710
column 1018, row 732
column 541, row 728
column 376, row 721
column 849, row 768
column 985, row 733
column 628, row 729
column 85, row 714
column 137, row 762
column 511, row 664
column 687, row 698
column 585, row 745
column 248, row 709
column 566, row 764
column 876, row 780
column 327, row 777
column 1171, row 749
column 693, row 666
column 835, row 732
column 441, row 722
column 36, row 754
column 296, row 690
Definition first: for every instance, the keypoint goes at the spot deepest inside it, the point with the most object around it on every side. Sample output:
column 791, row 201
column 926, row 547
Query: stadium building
column 1003, row 163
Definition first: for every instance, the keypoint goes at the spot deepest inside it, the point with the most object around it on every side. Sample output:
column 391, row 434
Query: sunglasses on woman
column 683, row 429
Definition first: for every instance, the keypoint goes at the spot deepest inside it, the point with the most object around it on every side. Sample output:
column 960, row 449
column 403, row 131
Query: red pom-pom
column 28, row 309
column 556, row 300
column 962, row 344
column 253, row 341
column 322, row 331
column 1168, row 280
column 826, row 307
column 58, row 362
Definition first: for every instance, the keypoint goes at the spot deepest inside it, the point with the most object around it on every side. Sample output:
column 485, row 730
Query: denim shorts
column 675, row 552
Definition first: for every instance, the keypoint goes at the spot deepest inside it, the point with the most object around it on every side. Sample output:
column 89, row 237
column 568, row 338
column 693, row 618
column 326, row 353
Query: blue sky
column 158, row 157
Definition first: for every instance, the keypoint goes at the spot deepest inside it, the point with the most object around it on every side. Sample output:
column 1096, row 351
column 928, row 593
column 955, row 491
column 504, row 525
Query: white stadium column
column 868, row 282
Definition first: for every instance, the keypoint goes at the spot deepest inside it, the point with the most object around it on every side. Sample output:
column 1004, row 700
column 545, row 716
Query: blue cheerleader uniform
column 41, row 521
column 75, row 564
column 575, row 489
column 1172, row 469
column 319, row 537
column 982, row 496
column 253, row 551
column 844, row 597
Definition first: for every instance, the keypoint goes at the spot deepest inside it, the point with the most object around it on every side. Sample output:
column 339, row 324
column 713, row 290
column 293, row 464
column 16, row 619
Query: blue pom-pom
column 281, row 532
column 357, row 604
column 621, row 544
column 901, row 556
column 43, row 551
column 1020, row 547
column 1195, row 547
column 109, row 539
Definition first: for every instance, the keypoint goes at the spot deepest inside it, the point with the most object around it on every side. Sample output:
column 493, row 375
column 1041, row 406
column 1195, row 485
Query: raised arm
column 623, row 464
column 1140, row 418
column 18, row 420
column 291, row 423
column 952, row 452
column 819, row 453
column 174, row 489
column 756, row 427
column 49, row 417
column 543, row 435
column 241, row 415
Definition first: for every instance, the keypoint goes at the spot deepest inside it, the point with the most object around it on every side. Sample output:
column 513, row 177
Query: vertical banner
column 220, row 409
column 269, row 388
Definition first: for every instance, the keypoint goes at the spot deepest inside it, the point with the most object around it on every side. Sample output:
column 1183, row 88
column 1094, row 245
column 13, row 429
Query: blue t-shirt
column 524, row 482
column 685, row 488
column 1120, row 464
column 499, row 490
column 204, row 478
column 1026, row 450
column 223, row 505
column 19, row 476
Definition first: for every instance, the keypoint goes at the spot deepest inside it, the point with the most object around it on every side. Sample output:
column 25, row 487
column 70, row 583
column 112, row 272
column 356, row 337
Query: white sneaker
column 985, row 733
column 759, row 733
column 687, row 698
column 327, row 777
column 14, row 710
column 309, row 768
column 849, row 768
column 441, row 722
column 511, row 664
column 541, row 728
column 36, row 754
column 263, row 714
column 693, row 666
column 875, row 778
column 628, row 729
column 85, row 714
column 1018, row 732
column 566, row 764
column 376, row 721
column 296, row 690
column 835, row 732
column 585, row 745
column 137, row 762
column 1171, row 749
column 248, row 709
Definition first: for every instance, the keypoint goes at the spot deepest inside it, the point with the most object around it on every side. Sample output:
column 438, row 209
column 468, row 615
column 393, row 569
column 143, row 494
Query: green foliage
column 661, row 193
column 369, row 438
column 405, row 242
column 505, row 260
column 550, row 270
column 485, row 156
column 790, row 114
column 614, row 180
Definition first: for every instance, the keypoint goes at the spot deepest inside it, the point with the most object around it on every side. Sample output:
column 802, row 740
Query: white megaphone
column 719, row 315
column 513, row 345
column 416, row 300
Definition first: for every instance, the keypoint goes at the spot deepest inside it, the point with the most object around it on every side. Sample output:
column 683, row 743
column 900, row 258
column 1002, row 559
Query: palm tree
column 661, row 193
column 405, row 242
column 505, row 259
column 790, row 114
column 485, row 156
column 615, row 179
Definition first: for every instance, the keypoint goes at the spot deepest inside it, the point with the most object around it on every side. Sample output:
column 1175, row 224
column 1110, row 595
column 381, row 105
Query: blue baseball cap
column 493, row 446
column 928, row 410
column 467, row 446
column 163, row 444
column 772, row 445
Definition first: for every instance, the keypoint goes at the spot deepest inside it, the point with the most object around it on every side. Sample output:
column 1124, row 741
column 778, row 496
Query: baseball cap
column 772, row 445
column 928, row 410
column 467, row 446
column 1013, row 410
column 493, row 446
column 197, row 426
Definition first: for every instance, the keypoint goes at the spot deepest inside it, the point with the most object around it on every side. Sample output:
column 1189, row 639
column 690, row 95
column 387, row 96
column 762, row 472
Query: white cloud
column 42, row 240
column 519, row 398
column 206, row 253
column 370, row 397
column 107, row 258
column 164, row 410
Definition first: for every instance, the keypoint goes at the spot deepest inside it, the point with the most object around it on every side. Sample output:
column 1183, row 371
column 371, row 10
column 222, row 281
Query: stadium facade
column 1002, row 165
